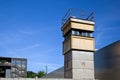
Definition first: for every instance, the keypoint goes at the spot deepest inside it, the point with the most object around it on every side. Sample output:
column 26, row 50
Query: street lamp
column 46, row 67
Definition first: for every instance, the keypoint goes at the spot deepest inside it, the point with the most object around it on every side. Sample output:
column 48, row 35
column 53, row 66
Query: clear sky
column 32, row 28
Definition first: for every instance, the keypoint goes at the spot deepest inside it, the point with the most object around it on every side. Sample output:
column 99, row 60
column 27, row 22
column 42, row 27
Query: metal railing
column 77, row 13
column 5, row 64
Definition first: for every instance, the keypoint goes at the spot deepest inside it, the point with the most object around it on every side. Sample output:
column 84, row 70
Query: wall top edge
column 82, row 21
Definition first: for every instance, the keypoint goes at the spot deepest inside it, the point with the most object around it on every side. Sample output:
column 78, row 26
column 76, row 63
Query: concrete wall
column 77, row 24
column 68, row 65
column 79, row 43
column 39, row 79
column 66, row 45
column 82, row 43
column 82, row 64
column 66, row 28
column 82, row 26
column 79, row 64
column 107, row 62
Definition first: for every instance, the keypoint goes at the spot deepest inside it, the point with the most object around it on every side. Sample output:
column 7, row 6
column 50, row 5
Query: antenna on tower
column 82, row 13
column 91, row 16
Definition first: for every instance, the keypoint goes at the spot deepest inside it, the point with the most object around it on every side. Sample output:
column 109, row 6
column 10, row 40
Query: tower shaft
column 78, row 48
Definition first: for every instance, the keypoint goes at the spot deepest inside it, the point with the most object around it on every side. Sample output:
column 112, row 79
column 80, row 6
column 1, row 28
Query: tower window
column 74, row 32
column 83, row 34
column 78, row 33
column 87, row 34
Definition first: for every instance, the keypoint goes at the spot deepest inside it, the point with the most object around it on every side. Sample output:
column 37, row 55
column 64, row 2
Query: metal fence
column 77, row 13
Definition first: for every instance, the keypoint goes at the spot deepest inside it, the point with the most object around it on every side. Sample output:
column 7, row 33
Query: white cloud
column 28, row 47
column 26, row 32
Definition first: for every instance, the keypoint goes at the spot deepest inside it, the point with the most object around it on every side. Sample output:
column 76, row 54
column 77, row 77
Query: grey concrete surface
column 79, row 64
column 40, row 79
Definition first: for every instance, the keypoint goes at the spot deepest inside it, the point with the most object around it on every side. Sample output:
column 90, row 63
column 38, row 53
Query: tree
column 40, row 74
column 31, row 74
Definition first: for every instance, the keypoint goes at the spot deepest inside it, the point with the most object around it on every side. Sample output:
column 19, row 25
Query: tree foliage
column 31, row 74
column 40, row 74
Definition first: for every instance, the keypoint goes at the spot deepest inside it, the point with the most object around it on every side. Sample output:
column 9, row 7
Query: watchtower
column 78, row 45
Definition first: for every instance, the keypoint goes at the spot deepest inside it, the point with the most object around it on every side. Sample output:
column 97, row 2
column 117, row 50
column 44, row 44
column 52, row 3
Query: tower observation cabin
column 78, row 45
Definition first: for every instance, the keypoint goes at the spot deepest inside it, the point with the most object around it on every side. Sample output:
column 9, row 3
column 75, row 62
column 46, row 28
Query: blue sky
column 32, row 28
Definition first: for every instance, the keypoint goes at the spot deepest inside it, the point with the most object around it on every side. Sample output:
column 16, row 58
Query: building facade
column 13, row 67
column 107, row 62
column 78, row 48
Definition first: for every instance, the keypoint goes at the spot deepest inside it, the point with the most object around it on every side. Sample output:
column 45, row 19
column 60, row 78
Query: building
column 13, row 67
column 78, row 46
column 107, row 62
column 58, row 73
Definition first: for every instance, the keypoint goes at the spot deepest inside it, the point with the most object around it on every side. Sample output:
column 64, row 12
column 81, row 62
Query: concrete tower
column 78, row 47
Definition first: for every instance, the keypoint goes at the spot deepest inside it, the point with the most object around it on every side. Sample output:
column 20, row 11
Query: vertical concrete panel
column 82, row 64
column 82, row 26
column 83, row 73
column 82, row 43
column 68, row 56
column 66, row 46
column 82, row 55
column 68, row 65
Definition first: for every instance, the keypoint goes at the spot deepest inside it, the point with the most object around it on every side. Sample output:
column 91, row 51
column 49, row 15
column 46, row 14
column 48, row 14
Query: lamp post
column 46, row 67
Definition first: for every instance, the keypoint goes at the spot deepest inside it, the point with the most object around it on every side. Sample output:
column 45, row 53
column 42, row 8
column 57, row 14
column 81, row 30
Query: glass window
column 13, row 69
column 77, row 33
column 8, row 73
column 73, row 32
column 83, row 34
column 89, row 34
column 13, row 62
column 13, row 74
column 24, row 63
column 80, row 33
